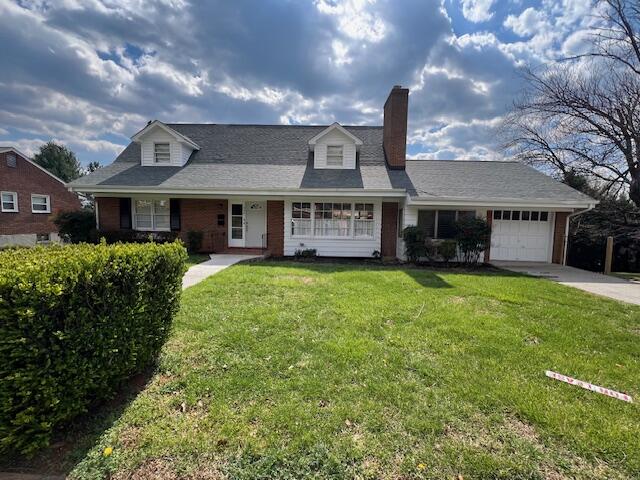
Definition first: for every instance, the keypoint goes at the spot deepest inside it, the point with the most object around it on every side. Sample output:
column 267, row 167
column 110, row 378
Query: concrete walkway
column 218, row 262
column 607, row 286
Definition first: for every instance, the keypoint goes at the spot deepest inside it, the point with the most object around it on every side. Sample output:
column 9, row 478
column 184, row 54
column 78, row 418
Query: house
column 31, row 197
column 346, row 191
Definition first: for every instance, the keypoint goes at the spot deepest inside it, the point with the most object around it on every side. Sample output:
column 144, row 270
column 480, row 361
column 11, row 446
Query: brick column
column 559, row 234
column 389, row 234
column 487, row 252
column 275, row 227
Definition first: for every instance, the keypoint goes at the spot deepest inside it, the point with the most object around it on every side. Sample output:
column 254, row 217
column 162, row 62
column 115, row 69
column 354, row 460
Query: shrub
column 75, row 321
column 135, row 236
column 194, row 241
column 447, row 250
column 76, row 226
column 473, row 236
column 415, row 246
column 305, row 253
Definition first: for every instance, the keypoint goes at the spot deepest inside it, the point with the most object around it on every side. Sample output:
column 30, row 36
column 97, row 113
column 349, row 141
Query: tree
column 58, row 160
column 93, row 166
column 581, row 116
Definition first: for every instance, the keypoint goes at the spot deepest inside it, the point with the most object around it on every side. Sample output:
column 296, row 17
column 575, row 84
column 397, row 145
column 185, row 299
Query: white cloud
column 529, row 22
column 354, row 19
column 477, row 10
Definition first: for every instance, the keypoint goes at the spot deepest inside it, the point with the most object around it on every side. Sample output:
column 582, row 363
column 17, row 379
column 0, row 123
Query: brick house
column 341, row 190
column 31, row 198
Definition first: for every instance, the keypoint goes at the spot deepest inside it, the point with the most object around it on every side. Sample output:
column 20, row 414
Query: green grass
column 627, row 276
column 284, row 370
column 196, row 258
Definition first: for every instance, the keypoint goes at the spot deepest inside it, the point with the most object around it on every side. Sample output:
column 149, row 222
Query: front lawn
column 284, row 370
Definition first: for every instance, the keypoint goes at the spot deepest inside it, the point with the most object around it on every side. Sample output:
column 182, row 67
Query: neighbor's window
column 9, row 202
column 162, row 153
column 363, row 220
column 151, row 214
column 11, row 160
column 441, row 224
column 334, row 156
column 332, row 219
column 43, row 237
column 40, row 204
column 301, row 219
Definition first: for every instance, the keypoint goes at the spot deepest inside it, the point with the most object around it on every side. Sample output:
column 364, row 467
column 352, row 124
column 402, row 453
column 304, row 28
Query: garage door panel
column 524, row 240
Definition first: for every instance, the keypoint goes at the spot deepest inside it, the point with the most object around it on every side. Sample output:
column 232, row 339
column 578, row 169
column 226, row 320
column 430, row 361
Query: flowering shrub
column 75, row 321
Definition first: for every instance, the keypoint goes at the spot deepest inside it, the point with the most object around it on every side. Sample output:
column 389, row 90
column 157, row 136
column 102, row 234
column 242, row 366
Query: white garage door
column 521, row 235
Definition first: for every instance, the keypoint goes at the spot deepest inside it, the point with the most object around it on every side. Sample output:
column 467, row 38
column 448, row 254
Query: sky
column 91, row 73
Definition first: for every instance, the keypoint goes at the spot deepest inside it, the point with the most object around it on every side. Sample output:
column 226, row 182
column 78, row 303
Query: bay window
column 151, row 214
column 332, row 219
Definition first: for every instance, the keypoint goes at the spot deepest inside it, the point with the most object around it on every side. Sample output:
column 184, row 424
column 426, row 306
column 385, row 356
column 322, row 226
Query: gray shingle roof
column 441, row 179
column 277, row 157
column 249, row 157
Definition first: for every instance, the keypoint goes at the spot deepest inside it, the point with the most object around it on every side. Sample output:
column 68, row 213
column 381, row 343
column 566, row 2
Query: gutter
column 566, row 230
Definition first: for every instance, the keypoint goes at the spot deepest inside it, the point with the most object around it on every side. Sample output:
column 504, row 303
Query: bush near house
column 76, row 226
column 472, row 236
column 75, row 321
column 135, row 236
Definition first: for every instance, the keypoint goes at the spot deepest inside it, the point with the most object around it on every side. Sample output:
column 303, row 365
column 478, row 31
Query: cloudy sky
column 90, row 73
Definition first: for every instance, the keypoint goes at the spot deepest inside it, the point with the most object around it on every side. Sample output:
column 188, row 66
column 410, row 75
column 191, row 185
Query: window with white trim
column 301, row 219
column 151, row 214
column 441, row 224
column 162, row 153
column 9, row 202
column 332, row 219
column 40, row 204
column 334, row 156
column 363, row 220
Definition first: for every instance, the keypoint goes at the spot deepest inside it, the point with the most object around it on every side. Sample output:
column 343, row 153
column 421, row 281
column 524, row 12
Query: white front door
column 256, row 224
column 521, row 235
column 237, row 226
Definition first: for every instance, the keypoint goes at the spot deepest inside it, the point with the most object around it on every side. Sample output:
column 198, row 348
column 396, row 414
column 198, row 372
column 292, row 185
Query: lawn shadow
column 427, row 276
column 72, row 441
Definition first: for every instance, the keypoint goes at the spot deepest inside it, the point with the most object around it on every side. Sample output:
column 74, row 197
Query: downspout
column 566, row 230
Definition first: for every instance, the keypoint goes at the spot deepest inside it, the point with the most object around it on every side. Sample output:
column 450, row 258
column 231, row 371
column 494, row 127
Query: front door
column 237, row 225
column 255, row 224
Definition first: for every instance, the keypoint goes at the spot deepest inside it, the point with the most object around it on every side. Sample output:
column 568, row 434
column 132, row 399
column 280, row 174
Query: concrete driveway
column 612, row 287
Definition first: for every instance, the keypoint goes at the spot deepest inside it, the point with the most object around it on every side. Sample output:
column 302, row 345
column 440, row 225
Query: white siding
column 332, row 247
column 335, row 137
column 179, row 152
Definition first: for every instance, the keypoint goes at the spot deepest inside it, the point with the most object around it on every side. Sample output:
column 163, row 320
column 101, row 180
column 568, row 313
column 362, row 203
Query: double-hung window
column 152, row 214
column 9, row 202
column 334, row 156
column 301, row 219
column 332, row 219
column 363, row 220
column 162, row 153
column 40, row 204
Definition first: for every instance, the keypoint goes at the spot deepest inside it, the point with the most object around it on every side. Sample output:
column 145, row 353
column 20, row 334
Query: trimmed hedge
column 75, row 322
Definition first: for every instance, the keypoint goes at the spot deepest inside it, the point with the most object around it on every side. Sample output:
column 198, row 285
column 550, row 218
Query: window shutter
column 125, row 213
column 174, row 213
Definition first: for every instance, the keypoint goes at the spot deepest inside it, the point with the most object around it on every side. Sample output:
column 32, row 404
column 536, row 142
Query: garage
column 522, row 235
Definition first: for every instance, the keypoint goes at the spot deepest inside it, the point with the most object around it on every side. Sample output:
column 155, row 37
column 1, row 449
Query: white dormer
column 335, row 148
column 161, row 145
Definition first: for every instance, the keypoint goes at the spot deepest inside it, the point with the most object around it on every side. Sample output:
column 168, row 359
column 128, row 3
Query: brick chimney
column 395, row 127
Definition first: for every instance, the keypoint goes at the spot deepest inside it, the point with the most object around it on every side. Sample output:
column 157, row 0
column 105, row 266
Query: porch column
column 389, row 234
column 559, row 234
column 275, row 227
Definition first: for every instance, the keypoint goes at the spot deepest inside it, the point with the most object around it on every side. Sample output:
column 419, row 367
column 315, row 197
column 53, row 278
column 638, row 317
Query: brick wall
column 558, row 237
column 395, row 127
column 26, row 179
column 389, row 234
column 108, row 213
column 275, row 227
column 487, row 252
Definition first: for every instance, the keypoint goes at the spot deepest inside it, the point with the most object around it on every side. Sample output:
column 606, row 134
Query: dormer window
column 334, row 156
column 162, row 153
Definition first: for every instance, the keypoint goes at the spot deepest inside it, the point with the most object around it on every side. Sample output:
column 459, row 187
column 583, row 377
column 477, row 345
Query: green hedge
column 75, row 321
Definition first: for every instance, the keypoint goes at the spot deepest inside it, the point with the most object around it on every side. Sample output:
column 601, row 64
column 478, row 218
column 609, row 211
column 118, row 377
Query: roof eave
column 502, row 202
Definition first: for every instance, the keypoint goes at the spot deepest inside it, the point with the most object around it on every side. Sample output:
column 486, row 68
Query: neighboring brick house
column 31, row 198
column 342, row 190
